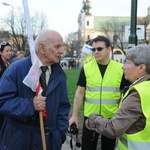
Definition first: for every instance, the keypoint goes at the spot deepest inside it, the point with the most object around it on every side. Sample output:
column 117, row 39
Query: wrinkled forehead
column 56, row 41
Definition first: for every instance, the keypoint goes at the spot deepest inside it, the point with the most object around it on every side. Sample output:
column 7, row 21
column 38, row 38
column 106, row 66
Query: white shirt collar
column 40, row 64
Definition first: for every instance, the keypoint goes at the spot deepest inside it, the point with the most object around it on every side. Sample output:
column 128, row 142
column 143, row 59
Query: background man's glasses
column 98, row 49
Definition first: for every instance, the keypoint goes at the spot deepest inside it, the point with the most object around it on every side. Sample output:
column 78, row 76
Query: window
column 88, row 23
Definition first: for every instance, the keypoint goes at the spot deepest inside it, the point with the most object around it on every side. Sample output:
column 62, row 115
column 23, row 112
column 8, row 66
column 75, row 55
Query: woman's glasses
column 98, row 49
column 4, row 44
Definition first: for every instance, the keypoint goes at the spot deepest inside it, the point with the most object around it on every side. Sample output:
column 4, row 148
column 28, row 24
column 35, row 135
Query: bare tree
column 72, row 44
column 105, row 27
column 39, row 22
column 15, row 24
column 114, row 30
column 4, row 35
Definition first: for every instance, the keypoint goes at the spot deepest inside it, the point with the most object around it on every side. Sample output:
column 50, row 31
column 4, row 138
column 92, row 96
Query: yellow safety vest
column 88, row 58
column 102, row 95
column 141, row 139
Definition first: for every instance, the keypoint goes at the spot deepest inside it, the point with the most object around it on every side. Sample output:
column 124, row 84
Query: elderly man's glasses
column 4, row 44
column 98, row 49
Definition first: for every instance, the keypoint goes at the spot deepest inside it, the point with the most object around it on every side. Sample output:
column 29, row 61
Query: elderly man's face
column 54, row 51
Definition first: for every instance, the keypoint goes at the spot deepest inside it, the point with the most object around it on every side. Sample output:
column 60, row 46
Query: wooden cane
column 41, row 121
column 42, row 130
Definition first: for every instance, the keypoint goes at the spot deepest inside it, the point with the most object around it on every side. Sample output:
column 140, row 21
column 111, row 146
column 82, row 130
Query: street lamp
column 133, row 36
column 12, row 14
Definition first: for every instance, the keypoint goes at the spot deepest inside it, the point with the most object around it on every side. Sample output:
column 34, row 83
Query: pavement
column 66, row 145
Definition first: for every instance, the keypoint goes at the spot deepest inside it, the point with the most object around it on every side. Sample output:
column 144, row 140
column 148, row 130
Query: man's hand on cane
column 39, row 103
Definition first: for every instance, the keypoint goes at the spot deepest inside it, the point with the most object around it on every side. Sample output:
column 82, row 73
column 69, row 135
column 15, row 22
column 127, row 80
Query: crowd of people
column 115, row 97
column 71, row 63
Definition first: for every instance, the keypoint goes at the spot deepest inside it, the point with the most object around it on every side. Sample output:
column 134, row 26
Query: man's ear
column 142, row 68
column 41, row 47
column 110, row 49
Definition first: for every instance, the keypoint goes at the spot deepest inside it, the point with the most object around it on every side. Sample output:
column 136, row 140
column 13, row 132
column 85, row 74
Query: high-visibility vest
column 141, row 139
column 88, row 58
column 102, row 95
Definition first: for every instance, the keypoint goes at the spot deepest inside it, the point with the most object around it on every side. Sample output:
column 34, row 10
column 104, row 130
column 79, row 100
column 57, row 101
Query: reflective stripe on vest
column 103, row 89
column 134, row 145
column 103, row 101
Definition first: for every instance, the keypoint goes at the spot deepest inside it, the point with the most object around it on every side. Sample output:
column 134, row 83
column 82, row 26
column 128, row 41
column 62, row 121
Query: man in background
column 20, row 55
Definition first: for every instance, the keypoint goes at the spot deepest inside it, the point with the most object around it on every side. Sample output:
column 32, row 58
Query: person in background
column 77, row 63
column 86, row 54
column 99, row 86
column 20, row 104
column 20, row 55
column 5, row 55
column 13, row 55
column 131, row 123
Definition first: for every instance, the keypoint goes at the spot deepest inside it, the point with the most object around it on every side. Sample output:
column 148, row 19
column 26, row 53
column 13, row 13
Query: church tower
column 85, row 21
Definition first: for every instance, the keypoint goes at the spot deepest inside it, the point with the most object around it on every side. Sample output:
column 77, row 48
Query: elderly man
column 20, row 105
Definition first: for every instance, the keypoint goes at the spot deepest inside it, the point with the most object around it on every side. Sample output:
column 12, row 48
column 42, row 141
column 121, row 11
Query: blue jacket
column 21, row 129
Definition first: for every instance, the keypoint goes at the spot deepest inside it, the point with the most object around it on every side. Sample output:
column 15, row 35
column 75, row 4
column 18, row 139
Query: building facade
column 113, row 27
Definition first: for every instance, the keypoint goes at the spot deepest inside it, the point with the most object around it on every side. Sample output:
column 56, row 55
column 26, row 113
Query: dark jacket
column 2, row 66
column 21, row 129
column 2, row 69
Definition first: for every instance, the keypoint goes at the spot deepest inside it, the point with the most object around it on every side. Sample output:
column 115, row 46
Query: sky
column 62, row 15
